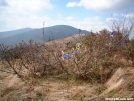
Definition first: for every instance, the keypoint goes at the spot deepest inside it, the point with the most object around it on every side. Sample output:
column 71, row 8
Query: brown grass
column 97, row 71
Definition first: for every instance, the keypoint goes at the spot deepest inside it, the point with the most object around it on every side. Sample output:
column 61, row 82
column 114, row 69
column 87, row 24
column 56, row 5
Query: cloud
column 115, row 14
column 69, row 18
column 89, row 23
column 15, row 22
column 71, row 4
column 124, row 25
column 3, row 3
column 111, row 19
column 129, row 15
column 26, row 7
column 106, row 5
column 22, row 13
column 59, row 16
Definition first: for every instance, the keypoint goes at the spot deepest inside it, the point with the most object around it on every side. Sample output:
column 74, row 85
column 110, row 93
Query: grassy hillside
column 101, row 67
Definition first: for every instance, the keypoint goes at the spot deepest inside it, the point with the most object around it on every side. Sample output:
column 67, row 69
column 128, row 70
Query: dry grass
column 97, row 71
column 61, row 90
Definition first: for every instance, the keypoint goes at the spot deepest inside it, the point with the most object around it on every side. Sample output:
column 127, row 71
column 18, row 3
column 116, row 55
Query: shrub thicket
column 94, row 61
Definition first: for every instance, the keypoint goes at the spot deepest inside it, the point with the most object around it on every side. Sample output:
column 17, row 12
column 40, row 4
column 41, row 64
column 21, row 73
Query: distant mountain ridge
column 26, row 34
column 14, row 32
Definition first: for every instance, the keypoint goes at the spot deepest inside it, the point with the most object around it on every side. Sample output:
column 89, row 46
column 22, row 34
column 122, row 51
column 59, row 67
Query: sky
column 88, row 15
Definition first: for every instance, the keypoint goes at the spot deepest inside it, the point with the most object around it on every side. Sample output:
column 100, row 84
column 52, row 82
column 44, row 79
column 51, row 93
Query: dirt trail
column 56, row 90
column 67, row 91
column 52, row 90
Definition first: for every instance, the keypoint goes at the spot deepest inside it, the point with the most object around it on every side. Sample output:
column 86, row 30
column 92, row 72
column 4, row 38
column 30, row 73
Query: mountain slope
column 14, row 32
column 54, row 32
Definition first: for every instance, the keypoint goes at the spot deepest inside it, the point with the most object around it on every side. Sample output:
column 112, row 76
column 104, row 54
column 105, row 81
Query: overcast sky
column 84, row 14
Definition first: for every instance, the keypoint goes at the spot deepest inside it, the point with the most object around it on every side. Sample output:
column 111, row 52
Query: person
column 66, row 56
